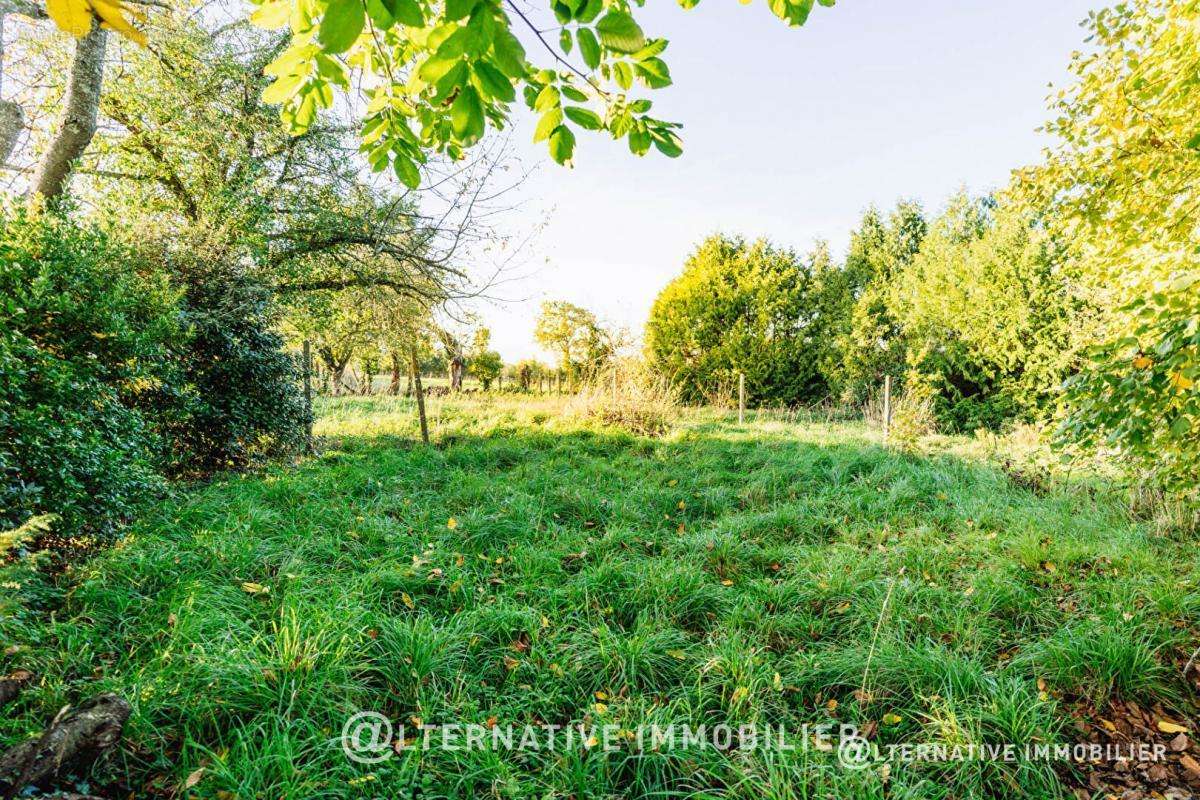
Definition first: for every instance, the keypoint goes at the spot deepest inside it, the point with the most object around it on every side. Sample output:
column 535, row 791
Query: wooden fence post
column 741, row 397
column 416, row 379
column 308, row 400
column 887, row 406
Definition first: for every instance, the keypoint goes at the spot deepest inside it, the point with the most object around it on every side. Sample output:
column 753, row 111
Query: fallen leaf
column 452, row 523
column 193, row 778
column 1167, row 726
column 255, row 588
column 407, row 600
column 892, row 719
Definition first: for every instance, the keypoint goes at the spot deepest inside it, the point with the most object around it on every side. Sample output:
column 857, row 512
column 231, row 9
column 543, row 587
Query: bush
column 913, row 414
column 83, row 339
column 111, row 379
column 629, row 396
column 238, row 400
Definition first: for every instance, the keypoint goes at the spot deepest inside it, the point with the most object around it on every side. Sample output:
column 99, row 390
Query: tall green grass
column 775, row 572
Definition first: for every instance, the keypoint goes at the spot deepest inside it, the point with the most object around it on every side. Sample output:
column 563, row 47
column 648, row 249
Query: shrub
column 238, row 400
column 913, row 414
column 629, row 396
column 83, row 339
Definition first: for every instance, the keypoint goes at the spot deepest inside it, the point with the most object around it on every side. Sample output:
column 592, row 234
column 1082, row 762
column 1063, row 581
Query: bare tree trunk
column 416, row 381
column 12, row 122
column 394, row 386
column 456, row 373
column 78, row 122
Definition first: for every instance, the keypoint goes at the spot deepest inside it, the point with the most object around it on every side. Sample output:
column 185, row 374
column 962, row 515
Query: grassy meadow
column 533, row 567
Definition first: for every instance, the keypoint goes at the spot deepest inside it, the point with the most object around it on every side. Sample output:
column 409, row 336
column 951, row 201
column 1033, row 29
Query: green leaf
column 407, row 12
column 584, row 118
column 639, row 141
column 466, row 115
column 591, row 9
column 619, row 32
column 589, row 48
column 450, row 82
column 341, row 25
column 668, row 143
column 654, row 71
column 495, row 82
column 434, row 68
column 548, row 98
column 406, row 171
column 379, row 15
column 655, row 47
column 572, row 93
column 283, row 89
column 509, row 54
column 565, row 41
column 624, row 74
column 562, row 144
column 546, row 125
column 457, row 9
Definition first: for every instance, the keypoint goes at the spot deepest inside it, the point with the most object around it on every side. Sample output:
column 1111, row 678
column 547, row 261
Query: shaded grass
column 774, row 572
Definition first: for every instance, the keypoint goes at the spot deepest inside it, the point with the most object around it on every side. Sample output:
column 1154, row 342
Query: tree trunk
column 78, row 122
column 75, row 738
column 12, row 122
column 456, row 373
column 415, row 372
column 394, row 386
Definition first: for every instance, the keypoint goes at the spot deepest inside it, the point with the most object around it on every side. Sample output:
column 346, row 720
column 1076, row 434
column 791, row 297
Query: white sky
column 789, row 133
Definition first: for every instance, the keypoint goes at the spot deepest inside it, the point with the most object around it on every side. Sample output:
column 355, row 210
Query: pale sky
column 788, row 133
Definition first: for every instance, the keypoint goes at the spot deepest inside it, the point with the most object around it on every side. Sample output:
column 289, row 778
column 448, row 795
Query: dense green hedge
column 116, row 372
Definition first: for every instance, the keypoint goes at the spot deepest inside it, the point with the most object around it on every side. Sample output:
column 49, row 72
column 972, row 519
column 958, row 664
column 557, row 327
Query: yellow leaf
column 601, row 708
column 891, row 719
column 1166, row 726
column 407, row 600
column 777, row 682
column 1180, row 382
column 1142, row 362
column 601, row 695
column 255, row 588
column 545, row 622
column 679, row 654
column 73, row 16
column 452, row 523
column 112, row 12
column 727, row 582
column 832, row 705
column 271, row 15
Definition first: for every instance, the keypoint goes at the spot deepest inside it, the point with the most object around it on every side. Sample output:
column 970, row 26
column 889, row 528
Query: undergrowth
column 534, row 568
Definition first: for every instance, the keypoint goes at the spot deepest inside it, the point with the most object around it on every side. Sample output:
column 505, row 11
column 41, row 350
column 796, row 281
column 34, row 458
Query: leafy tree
column 739, row 307
column 487, row 366
column 1123, row 186
column 442, row 73
column 870, row 343
column 575, row 335
column 992, row 315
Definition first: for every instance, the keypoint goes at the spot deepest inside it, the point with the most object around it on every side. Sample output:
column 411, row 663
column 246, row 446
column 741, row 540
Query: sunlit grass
column 780, row 572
